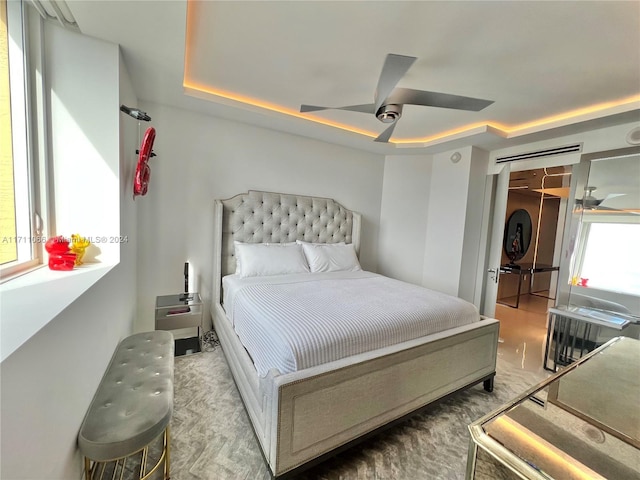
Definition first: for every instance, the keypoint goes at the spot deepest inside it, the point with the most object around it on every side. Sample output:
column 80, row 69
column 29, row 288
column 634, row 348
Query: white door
column 496, row 235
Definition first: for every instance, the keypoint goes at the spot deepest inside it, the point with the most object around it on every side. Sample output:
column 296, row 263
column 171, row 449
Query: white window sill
column 29, row 302
column 631, row 302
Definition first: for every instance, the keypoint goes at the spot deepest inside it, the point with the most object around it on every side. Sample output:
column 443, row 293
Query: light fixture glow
column 196, row 88
column 553, row 456
column 560, row 192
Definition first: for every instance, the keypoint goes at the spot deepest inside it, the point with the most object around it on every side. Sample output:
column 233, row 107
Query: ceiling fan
column 590, row 202
column 389, row 100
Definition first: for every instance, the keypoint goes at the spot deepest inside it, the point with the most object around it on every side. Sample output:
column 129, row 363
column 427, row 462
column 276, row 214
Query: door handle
column 495, row 274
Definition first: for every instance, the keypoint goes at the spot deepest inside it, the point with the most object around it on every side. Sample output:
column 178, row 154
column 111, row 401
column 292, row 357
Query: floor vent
column 549, row 152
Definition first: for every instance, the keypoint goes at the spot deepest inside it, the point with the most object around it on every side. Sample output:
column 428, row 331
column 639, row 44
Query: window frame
column 26, row 83
column 583, row 236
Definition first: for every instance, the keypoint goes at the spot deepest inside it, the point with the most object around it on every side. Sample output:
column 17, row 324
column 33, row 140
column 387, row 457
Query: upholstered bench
column 131, row 408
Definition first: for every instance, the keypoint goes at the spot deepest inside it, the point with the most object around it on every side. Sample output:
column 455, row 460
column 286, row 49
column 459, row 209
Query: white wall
column 83, row 127
column 127, row 270
column 431, row 220
column 476, row 223
column 202, row 158
column 48, row 383
column 403, row 216
column 446, row 218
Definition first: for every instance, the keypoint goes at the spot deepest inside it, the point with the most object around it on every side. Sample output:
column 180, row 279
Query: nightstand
column 182, row 310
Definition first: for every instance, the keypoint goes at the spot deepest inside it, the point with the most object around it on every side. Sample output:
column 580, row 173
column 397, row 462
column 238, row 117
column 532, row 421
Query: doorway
column 533, row 227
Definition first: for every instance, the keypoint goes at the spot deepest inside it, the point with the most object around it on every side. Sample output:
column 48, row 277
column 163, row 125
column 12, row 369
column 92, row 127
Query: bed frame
column 300, row 418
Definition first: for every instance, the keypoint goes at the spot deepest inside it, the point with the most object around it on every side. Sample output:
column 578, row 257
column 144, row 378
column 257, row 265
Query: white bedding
column 293, row 322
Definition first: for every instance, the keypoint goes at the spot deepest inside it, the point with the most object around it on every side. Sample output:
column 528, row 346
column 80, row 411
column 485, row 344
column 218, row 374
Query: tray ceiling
column 545, row 64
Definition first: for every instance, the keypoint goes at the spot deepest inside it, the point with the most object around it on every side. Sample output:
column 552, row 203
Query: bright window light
column 8, row 250
column 20, row 198
column 16, row 217
column 612, row 258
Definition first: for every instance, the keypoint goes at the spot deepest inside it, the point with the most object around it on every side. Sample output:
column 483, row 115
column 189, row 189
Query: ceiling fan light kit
column 589, row 200
column 389, row 100
column 633, row 137
column 389, row 113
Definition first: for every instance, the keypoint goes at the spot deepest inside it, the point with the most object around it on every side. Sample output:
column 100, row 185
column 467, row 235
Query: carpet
column 212, row 437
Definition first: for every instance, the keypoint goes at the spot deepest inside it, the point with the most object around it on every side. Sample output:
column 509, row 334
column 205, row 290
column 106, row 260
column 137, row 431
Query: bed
column 295, row 408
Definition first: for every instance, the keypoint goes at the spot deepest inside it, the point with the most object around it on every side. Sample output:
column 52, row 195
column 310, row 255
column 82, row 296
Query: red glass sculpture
column 60, row 257
column 143, row 171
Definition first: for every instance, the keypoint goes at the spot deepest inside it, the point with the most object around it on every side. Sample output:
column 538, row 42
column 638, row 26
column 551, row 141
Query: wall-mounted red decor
column 143, row 171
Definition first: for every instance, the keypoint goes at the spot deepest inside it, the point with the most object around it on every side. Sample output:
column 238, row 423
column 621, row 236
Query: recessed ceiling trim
column 209, row 93
column 194, row 87
column 610, row 108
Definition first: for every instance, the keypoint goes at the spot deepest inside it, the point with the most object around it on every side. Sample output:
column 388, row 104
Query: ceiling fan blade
column 601, row 208
column 386, row 135
column 365, row 108
column 613, row 195
column 409, row 96
column 312, row 108
column 394, row 68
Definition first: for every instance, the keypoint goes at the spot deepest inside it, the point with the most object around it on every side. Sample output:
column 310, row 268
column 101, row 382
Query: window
column 20, row 228
column 83, row 73
column 607, row 233
column 610, row 257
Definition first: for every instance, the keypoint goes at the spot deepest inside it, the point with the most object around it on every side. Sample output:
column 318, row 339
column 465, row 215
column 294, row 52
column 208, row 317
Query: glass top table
column 583, row 422
column 523, row 269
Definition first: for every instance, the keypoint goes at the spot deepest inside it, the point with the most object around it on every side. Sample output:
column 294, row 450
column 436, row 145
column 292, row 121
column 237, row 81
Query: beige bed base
column 302, row 416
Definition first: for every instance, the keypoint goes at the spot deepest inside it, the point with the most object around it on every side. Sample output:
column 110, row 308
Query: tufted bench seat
column 132, row 406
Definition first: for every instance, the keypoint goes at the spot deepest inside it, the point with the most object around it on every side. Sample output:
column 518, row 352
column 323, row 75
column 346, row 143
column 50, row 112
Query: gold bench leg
column 87, row 469
column 167, row 462
column 144, row 457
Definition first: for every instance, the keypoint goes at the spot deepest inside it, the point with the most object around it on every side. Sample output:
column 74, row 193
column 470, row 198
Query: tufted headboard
column 257, row 217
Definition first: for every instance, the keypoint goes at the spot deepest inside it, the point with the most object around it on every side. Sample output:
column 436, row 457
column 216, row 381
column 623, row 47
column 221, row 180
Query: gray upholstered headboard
column 257, row 217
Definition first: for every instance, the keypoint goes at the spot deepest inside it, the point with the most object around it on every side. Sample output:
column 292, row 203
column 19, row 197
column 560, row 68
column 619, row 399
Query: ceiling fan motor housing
column 389, row 113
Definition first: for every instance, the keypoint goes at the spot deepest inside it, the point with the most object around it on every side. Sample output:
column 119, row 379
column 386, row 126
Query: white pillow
column 331, row 257
column 258, row 259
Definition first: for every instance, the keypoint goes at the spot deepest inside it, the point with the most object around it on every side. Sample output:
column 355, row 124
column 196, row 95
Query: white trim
column 613, row 217
column 583, row 235
column 39, row 135
column 31, row 301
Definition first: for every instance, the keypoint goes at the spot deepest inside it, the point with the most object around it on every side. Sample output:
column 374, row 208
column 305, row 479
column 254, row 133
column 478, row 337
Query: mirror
column 606, row 260
column 599, row 280
column 567, row 427
column 517, row 235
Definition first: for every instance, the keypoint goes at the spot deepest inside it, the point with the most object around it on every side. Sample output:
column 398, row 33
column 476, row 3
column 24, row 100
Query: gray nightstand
column 182, row 310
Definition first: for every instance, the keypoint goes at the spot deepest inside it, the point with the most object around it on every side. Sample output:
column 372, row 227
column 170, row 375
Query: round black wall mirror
column 517, row 235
